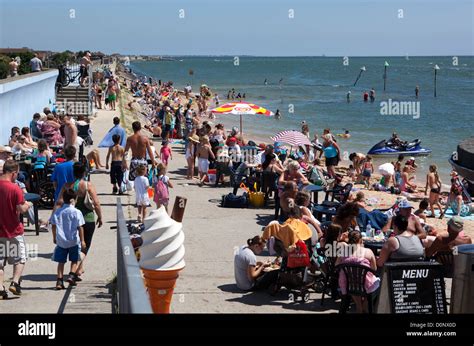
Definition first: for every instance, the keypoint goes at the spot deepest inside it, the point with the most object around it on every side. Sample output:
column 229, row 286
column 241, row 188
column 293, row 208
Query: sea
column 314, row 89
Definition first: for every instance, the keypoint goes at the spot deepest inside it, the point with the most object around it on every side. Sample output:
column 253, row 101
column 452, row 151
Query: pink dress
column 165, row 153
column 372, row 282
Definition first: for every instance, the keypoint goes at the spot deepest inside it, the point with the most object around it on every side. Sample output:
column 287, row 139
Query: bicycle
column 67, row 76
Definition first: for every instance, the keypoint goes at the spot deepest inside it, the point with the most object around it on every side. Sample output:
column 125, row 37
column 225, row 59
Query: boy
column 424, row 203
column 68, row 235
column 203, row 154
column 116, row 172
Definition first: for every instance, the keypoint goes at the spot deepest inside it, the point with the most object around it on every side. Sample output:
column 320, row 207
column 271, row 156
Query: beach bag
column 128, row 184
column 161, row 191
column 88, row 202
column 299, row 257
column 316, row 177
column 234, row 201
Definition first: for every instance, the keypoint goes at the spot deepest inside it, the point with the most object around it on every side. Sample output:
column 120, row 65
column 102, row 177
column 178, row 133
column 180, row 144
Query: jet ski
column 388, row 148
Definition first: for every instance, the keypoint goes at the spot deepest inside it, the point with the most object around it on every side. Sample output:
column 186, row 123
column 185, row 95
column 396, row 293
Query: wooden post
column 178, row 208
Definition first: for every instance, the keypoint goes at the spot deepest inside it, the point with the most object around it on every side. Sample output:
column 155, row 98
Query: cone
column 160, row 284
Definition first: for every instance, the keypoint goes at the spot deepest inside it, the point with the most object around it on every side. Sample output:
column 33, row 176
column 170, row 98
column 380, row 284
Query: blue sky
column 242, row 27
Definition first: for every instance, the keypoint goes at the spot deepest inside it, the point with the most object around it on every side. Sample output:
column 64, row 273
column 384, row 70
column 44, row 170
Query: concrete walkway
column 39, row 277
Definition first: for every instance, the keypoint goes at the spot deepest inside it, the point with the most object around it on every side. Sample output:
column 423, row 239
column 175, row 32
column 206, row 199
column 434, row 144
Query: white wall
column 21, row 97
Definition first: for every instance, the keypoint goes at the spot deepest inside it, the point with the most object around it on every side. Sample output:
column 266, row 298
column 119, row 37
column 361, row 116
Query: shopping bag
column 128, row 184
column 299, row 257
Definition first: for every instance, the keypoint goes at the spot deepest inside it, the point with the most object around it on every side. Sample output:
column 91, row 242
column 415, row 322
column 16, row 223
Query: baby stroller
column 294, row 278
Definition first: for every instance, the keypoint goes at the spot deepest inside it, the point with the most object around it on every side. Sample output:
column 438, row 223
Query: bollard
column 462, row 289
column 178, row 209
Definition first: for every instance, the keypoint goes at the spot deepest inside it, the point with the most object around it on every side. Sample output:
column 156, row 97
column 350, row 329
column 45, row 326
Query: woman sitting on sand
column 456, row 202
column 407, row 185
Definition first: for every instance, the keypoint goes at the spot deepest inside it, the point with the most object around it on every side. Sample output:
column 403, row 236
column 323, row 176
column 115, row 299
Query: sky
column 242, row 27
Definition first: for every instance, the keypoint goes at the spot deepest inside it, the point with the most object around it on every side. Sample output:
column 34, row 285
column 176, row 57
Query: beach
column 214, row 233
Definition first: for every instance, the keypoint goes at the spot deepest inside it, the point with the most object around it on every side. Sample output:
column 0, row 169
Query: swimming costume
column 436, row 190
column 134, row 163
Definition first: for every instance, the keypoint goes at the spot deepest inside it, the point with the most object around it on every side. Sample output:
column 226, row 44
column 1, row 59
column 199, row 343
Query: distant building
column 42, row 54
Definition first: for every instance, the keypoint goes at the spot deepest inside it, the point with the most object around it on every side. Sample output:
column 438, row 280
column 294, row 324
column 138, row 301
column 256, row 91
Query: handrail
column 132, row 295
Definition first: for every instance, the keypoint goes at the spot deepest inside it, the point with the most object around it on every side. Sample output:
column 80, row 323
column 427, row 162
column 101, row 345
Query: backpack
column 234, row 201
column 161, row 191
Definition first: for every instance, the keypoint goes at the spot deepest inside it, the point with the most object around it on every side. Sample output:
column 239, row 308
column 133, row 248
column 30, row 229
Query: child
column 203, row 154
column 141, row 192
column 68, row 235
column 116, row 172
column 424, row 203
column 368, row 169
column 351, row 173
column 165, row 153
column 162, row 183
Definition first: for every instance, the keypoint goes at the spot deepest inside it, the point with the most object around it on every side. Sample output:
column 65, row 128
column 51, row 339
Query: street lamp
column 436, row 68
column 385, row 75
column 362, row 69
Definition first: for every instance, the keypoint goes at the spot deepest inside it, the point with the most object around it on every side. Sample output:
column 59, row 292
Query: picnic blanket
column 449, row 214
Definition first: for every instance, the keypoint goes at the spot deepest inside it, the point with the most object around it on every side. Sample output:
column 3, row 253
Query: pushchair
column 293, row 279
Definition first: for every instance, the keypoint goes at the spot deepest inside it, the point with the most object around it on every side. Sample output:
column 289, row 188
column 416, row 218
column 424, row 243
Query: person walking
column 11, row 229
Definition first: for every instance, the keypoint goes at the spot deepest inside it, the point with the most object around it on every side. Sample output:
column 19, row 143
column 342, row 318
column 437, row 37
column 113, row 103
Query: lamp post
column 385, row 75
column 362, row 69
column 436, row 68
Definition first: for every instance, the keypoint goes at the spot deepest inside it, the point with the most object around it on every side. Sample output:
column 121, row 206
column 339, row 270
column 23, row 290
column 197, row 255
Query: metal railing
column 131, row 291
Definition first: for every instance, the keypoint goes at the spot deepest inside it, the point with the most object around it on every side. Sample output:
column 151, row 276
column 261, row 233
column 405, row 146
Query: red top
column 10, row 225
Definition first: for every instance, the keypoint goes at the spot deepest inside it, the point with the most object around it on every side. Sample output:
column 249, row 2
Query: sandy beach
column 213, row 233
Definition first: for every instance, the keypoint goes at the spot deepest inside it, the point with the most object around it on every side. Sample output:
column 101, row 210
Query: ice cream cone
column 160, row 284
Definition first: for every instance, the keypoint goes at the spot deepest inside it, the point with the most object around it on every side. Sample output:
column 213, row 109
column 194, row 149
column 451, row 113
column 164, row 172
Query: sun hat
column 404, row 204
column 456, row 223
column 5, row 149
column 194, row 138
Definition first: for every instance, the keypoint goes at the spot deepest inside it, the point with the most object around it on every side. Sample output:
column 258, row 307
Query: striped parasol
column 292, row 137
column 241, row 108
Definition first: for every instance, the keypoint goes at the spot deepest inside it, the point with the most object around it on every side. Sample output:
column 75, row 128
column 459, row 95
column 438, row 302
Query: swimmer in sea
column 277, row 114
column 345, row 135
column 348, row 96
column 265, row 82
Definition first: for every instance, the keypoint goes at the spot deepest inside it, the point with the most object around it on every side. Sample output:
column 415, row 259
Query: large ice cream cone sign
column 161, row 258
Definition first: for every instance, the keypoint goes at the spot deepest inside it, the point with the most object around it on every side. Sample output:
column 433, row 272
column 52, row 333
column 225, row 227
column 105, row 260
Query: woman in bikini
column 434, row 184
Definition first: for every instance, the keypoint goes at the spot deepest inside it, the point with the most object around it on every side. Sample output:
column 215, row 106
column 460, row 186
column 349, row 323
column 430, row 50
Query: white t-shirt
column 242, row 260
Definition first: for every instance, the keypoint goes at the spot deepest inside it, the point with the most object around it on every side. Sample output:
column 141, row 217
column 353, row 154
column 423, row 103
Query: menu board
column 416, row 288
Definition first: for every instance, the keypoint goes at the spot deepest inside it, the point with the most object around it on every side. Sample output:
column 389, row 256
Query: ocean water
column 314, row 89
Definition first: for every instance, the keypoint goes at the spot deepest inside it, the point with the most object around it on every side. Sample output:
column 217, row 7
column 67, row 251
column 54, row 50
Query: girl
column 43, row 156
column 165, row 153
column 141, row 185
column 161, row 184
column 434, row 183
column 367, row 171
column 406, row 182
column 191, row 155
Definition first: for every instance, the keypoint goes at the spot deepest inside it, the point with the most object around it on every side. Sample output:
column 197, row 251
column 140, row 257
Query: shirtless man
column 70, row 134
column 13, row 68
column 85, row 62
column 116, row 172
column 414, row 225
column 140, row 145
column 203, row 154
column 358, row 160
column 112, row 93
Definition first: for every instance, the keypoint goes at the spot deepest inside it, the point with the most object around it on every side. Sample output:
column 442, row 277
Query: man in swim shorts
column 140, row 145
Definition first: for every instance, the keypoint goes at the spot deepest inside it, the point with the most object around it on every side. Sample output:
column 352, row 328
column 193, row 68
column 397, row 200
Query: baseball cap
column 456, row 223
column 404, row 204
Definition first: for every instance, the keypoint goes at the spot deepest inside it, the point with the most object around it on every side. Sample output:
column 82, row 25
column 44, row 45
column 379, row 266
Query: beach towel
column 289, row 232
column 449, row 214
column 107, row 140
column 377, row 218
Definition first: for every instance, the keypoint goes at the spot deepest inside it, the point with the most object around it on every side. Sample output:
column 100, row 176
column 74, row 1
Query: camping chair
column 330, row 276
column 269, row 184
column 355, row 275
column 334, row 199
column 84, row 133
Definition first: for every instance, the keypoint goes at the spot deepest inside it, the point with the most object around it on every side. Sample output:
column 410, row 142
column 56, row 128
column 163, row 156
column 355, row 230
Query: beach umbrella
column 292, row 137
column 241, row 108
